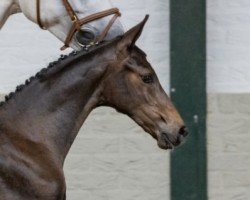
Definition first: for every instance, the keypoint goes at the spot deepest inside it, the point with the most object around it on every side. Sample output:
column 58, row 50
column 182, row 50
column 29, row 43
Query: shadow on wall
column 228, row 146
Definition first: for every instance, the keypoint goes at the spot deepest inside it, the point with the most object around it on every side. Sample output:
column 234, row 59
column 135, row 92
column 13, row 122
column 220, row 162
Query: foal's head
column 132, row 87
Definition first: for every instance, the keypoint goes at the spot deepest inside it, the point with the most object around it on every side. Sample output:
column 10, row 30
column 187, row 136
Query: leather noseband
column 77, row 23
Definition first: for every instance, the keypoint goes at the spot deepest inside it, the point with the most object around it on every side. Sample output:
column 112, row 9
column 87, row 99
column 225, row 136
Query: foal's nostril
column 162, row 118
column 183, row 131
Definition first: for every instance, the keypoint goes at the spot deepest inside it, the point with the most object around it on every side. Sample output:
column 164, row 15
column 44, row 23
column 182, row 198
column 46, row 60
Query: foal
column 39, row 122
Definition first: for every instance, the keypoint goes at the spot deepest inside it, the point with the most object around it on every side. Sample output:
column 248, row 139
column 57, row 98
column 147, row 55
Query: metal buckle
column 74, row 18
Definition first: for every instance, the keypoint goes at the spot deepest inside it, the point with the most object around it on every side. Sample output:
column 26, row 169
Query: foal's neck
column 51, row 112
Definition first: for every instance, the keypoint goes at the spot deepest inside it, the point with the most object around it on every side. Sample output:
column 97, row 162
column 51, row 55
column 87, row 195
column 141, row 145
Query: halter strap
column 70, row 10
column 108, row 27
column 77, row 23
column 38, row 16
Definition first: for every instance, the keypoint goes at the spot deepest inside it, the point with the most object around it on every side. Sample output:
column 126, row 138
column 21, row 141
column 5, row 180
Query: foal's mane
column 63, row 62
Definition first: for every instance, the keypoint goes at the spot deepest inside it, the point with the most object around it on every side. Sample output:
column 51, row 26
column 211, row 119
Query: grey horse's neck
column 50, row 110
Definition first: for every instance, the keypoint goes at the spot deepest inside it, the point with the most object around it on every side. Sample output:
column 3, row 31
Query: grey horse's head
column 59, row 22
column 91, row 31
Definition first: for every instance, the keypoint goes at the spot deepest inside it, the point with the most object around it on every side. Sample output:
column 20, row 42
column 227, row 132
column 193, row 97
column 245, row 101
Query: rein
column 77, row 23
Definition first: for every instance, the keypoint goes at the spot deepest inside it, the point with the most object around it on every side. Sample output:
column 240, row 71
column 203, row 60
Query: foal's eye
column 147, row 79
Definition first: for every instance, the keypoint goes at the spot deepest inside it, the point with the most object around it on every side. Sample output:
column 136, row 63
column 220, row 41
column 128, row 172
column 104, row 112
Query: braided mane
column 38, row 76
column 55, row 67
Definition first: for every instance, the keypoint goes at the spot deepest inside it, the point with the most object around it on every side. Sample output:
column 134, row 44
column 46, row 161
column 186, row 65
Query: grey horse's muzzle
column 86, row 35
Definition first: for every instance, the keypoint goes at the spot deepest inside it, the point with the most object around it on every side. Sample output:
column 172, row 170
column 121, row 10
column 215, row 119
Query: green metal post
column 188, row 92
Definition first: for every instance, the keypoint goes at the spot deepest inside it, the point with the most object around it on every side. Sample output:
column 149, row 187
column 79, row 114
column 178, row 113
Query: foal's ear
column 130, row 37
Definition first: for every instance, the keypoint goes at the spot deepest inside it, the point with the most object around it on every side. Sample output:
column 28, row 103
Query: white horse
column 56, row 19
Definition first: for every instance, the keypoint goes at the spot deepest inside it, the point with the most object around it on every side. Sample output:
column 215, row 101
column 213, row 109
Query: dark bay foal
column 39, row 122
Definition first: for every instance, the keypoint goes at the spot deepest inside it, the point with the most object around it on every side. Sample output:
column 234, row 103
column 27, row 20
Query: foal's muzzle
column 169, row 141
column 85, row 36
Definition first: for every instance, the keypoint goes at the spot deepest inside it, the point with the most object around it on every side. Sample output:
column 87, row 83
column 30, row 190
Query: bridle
column 77, row 23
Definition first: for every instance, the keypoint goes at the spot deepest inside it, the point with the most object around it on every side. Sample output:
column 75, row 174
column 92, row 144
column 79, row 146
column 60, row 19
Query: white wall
column 228, row 146
column 228, row 45
column 228, row 27
column 112, row 157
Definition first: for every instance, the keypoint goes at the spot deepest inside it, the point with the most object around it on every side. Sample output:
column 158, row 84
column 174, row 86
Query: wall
column 228, row 146
column 112, row 157
column 228, row 41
